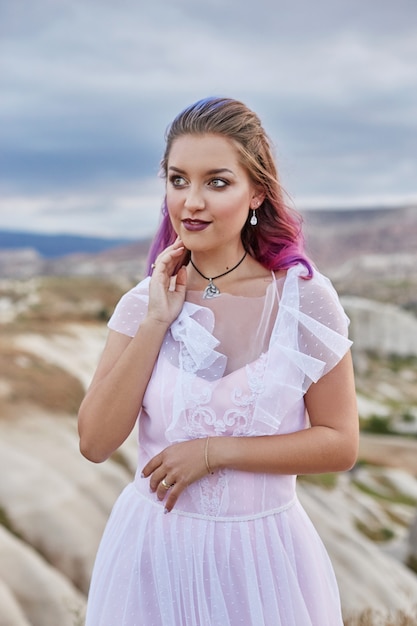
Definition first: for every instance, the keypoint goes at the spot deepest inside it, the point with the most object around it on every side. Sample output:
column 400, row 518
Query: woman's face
column 209, row 194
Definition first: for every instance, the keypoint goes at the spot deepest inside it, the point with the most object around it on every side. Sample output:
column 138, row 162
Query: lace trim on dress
column 210, row 493
column 240, row 418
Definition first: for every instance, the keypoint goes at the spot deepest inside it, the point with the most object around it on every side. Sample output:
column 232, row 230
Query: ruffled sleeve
column 309, row 338
column 131, row 310
column 316, row 324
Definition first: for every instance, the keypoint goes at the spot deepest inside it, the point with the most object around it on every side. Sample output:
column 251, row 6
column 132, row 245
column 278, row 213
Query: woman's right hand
column 167, row 292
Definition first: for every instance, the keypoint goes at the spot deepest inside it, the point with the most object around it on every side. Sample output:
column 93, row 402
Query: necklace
column 211, row 291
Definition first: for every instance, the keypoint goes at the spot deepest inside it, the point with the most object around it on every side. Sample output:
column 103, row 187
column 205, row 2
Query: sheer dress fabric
column 238, row 548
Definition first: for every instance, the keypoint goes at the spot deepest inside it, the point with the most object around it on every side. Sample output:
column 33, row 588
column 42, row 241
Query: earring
column 254, row 219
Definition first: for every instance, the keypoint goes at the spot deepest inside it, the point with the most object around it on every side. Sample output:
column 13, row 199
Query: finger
column 175, row 248
column 167, row 261
column 164, row 487
column 151, row 466
column 178, row 242
column 159, row 475
column 181, row 280
column 172, row 497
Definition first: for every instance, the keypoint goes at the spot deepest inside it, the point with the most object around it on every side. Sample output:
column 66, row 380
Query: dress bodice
column 237, row 367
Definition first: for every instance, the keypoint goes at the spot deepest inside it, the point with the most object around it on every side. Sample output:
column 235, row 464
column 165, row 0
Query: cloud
column 89, row 87
column 107, row 211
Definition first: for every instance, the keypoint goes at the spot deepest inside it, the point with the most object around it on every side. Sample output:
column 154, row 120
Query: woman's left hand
column 176, row 467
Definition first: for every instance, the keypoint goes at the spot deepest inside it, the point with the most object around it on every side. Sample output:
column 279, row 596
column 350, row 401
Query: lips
column 195, row 225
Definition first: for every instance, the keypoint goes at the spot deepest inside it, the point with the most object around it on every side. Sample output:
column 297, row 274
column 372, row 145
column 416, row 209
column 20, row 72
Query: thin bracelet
column 206, row 449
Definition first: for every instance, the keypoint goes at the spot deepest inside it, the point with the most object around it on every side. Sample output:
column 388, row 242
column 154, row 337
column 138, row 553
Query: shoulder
column 315, row 298
column 297, row 277
column 131, row 309
column 321, row 301
column 317, row 287
column 136, row 293
column 142, row 287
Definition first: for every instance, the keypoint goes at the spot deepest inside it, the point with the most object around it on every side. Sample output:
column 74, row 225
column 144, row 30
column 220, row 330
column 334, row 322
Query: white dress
column 238, row 548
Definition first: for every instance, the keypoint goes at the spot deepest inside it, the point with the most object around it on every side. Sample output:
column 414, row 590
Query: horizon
column 95, row 233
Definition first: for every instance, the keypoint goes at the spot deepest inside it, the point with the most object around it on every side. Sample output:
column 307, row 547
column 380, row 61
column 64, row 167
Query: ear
column 257, row 199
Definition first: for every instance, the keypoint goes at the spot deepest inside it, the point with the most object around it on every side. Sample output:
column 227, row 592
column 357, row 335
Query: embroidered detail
column 241, row 418
column 202, row 417
column 211, row 492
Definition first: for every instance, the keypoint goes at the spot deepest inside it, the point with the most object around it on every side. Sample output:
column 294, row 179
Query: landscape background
column 88, row 88
column 55, row 299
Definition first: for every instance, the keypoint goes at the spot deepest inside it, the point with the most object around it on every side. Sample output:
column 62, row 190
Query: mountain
column 56, row 245
column 24, row 255
column 334, row 238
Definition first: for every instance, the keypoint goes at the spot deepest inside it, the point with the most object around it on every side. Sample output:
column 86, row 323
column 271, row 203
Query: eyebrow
column 219, row 170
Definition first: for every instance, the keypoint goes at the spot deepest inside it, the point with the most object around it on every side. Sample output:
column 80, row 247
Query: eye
column 218, row 183
column 177, row 181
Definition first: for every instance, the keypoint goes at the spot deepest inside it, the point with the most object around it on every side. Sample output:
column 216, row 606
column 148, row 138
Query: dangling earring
column 254, row 219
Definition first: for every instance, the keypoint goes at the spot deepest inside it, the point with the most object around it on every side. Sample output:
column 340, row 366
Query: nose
column 194, row 199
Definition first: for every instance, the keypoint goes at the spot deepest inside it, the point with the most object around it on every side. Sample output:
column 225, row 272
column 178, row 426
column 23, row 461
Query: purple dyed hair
column 277, row 241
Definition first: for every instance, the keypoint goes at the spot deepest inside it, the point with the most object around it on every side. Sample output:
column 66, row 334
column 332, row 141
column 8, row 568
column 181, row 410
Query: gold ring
column 165, row 484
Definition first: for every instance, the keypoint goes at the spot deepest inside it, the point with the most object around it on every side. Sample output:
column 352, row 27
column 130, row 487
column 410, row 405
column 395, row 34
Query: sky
column 88, row 88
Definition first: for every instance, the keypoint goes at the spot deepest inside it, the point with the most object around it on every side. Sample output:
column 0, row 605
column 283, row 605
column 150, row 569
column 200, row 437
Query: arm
column 112, row 403
column 114, row 398
column 329, row 445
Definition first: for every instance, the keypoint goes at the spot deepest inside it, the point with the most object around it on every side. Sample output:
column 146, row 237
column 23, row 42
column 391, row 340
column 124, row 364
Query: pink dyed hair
column 276, row 241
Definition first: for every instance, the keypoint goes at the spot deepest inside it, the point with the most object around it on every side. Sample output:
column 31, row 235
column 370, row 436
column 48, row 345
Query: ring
column 165, row 484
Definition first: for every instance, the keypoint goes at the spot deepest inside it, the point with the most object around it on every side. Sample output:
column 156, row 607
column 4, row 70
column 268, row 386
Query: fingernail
column 166, row 511
column 142, row 475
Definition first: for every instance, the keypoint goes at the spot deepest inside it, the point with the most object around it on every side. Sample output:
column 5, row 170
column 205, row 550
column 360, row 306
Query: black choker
column 211, row 291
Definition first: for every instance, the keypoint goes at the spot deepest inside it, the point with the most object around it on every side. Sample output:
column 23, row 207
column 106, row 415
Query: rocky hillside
column 54, row 504
column 334, row 240
column 334, row 237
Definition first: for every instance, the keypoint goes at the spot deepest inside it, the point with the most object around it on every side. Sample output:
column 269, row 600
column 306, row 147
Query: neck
column 213, row 265
column 212, row 290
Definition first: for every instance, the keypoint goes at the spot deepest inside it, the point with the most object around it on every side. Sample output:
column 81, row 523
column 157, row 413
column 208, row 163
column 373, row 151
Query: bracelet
column 206, row 449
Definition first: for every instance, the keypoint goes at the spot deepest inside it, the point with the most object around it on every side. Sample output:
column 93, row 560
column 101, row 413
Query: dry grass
column 377, row 618
column 31, row 380
column 26, row 378
column 80, row 298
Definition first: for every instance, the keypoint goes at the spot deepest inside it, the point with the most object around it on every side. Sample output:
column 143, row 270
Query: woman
column 234, row 354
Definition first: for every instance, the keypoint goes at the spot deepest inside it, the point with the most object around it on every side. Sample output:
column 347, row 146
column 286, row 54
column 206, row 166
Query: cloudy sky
column 88, row 87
